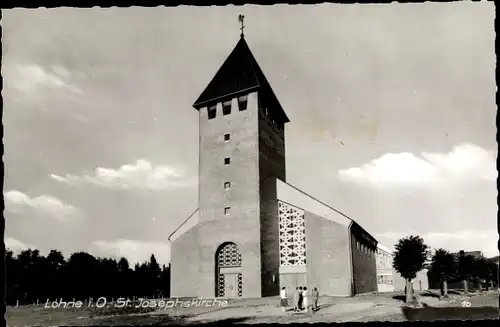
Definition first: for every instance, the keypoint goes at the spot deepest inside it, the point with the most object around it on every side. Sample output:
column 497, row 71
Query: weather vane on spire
column 240, row 19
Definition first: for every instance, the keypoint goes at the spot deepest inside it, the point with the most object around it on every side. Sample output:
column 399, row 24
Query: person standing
column 301, row 298
column 296, row 299
column 284, row 299
column 315, row 296
column 305, row 300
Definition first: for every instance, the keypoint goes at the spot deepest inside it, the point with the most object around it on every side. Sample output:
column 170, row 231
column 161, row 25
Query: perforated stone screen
column 229, row 256
column 292, row 235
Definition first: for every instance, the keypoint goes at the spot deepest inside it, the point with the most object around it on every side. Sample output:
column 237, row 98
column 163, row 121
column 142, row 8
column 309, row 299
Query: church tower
column 233, row 251
column 253, row 232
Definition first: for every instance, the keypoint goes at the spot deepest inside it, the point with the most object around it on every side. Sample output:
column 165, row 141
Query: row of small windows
column 227, row 161
column 227, row 210
column 226, row 107
column 364, row 249
column 384, row 259
column 385, row 279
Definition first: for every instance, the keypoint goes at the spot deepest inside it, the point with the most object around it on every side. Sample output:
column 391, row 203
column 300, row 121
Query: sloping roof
column 293, row 195
column 296, row 197
column 384, row 248
column 239, row 74
column 189, row 223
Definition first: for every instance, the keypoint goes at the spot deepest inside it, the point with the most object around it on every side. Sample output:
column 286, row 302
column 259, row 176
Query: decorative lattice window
column 229, row 256
column 292, row 235
column 240, row 285
column 220, row 285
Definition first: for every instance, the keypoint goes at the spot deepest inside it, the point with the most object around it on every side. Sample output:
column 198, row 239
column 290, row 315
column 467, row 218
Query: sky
column 392, row 111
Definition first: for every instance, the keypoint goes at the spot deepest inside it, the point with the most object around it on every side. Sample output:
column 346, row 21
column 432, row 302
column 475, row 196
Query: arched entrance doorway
column 228, row 278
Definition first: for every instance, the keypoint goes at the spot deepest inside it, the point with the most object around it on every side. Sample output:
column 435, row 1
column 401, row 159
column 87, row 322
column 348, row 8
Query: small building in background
column 389, row 280
column 385, row 280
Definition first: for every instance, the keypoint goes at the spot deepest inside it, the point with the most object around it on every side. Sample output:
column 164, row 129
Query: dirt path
column 364, row 308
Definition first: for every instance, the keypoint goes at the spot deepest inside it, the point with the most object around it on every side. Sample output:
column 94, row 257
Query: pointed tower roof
column 239, row 74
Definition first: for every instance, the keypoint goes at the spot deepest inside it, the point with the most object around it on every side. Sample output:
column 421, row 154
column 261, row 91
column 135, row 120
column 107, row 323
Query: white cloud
column 134, row 251
column 453, row 241
column 465, row 162
column 142, row 174
column 32, row 79
column 17, row 246
column 18, row 202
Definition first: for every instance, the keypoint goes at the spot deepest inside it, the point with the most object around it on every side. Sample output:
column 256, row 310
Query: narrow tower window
column 227, row 185
column 212, row 111
column 227, row 211
column 243, row 102
column 227, row 161
column 226, row 108
column 227, row 137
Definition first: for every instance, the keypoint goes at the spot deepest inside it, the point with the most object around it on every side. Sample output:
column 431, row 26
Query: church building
column 253, row 232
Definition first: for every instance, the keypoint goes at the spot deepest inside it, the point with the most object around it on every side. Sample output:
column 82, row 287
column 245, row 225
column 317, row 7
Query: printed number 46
column 466, row 304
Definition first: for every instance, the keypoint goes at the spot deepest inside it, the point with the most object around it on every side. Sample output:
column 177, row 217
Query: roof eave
column 201, row 104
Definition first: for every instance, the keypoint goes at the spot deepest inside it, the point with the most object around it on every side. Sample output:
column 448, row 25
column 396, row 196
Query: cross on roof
column 241, row 18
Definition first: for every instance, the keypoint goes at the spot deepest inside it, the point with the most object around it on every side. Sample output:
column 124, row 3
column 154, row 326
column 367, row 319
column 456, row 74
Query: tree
column 154, row 275
column 54, row 264
column 410, row 257
column 29, row 262
column 465, row 269
column 492, row 277
column 165, row 281
column 123, row 265
column 81, row 274
column 12, row 276
column 480, row 273
column 31, row 277
column 443, row 266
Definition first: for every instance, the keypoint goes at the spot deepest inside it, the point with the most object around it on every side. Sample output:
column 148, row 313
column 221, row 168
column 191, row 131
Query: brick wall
column 184, row 256
column 271, row 166
column 243, row 170
column 245, row 234
column 194, row 257
column 242, row 225
column 271, row 145
column 364, row 264
column 269, row 238
column 328, row 259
